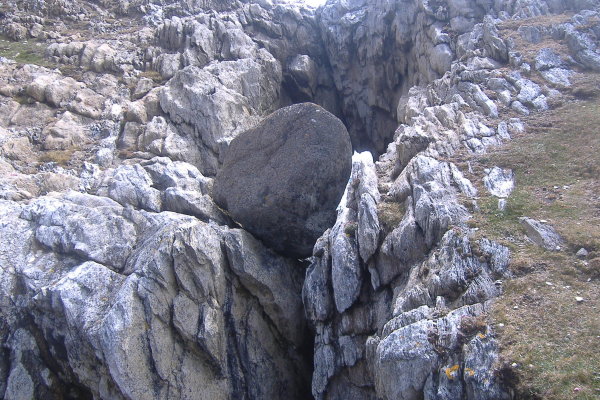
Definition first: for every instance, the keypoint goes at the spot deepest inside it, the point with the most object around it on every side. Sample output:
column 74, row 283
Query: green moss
column 25, row 52
column 350, row 228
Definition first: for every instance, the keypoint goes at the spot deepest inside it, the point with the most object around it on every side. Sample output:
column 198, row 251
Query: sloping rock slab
column 283, row 179
column 542, row 234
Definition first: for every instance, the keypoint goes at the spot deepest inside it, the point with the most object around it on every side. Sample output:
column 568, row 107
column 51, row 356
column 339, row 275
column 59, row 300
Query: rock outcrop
column 283, row 179
column 119, row 303
column 121, row 277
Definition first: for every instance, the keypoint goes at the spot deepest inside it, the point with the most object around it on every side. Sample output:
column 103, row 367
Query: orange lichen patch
column 451, row 372
column 481, row 336
column 469, row 371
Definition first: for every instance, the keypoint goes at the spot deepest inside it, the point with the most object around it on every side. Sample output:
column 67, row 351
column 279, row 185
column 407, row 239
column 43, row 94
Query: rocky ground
column 122, row 279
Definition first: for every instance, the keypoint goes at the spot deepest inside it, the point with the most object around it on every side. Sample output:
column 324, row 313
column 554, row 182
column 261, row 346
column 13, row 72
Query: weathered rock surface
column 121, row 278
column 542, row 234
column 500, row 182
column 401, row 323
column 282, row 179
column 130, row 318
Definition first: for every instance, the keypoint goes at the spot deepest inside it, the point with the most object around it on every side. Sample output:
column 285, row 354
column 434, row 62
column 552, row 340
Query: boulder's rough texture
column 121, row 278
column 282, row 179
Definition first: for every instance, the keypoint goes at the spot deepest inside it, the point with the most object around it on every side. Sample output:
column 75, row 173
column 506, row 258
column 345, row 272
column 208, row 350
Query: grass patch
column 60, row 157
column 25, row 52
column 552, row 338
column 390, row 214
column 557, row 167
column 154, row 75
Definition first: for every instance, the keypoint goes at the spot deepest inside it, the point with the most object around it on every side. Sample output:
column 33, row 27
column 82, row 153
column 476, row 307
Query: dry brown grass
column 154, row 75
column 509, row 30
column 60, row 157
column 549, row 340
column 551, row 337
column 390, row 213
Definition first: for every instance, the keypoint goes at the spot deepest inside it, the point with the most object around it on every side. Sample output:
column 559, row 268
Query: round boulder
column 283, row 179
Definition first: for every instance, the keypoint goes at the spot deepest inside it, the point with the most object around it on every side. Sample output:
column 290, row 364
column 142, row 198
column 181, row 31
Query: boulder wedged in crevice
column 129, row 281
column 282, row 179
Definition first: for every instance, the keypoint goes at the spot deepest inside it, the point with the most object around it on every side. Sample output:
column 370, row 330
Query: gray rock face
column 542, row 234
column 218, row 102
column 582, row 253
column 583, row 44
column 121, row 278
column 155, row 315
column 283, row 179
column 500, row 182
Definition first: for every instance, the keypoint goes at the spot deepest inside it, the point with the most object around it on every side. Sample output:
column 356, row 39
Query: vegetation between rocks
column 548, row 320
column 24, row 52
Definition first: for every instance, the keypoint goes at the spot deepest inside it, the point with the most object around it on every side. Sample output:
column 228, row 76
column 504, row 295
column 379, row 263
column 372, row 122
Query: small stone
column 542, row 234
column 582, row 253
column 579, row 299
column 502, row 205
column 549, row 284
column 514, row 365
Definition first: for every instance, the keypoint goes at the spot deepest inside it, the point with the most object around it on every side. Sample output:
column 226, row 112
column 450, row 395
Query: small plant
column 350, row 229
column 390, row 213
column 60, row 157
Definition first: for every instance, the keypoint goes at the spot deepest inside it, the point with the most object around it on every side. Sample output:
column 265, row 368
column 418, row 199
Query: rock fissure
column 148, row 283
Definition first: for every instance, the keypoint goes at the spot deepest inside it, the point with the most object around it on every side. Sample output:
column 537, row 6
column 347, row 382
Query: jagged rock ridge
column 120, row 276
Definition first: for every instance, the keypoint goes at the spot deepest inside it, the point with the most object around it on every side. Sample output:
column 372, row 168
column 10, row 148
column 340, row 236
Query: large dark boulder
column 283, row 179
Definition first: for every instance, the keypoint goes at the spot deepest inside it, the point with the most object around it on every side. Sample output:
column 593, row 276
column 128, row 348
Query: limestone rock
column 132, row 185
column 316, row 293
column 559, row 77
column 346, row 270
column 66, row 133
column 547, row 59
column 121, row 277
column 582, row 253
column 542, row 234
column 158, row 305
column 500, row 182
column 283, row 179
column 219, row 102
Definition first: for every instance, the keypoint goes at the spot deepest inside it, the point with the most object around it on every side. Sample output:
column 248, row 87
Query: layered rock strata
column 121, row 277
